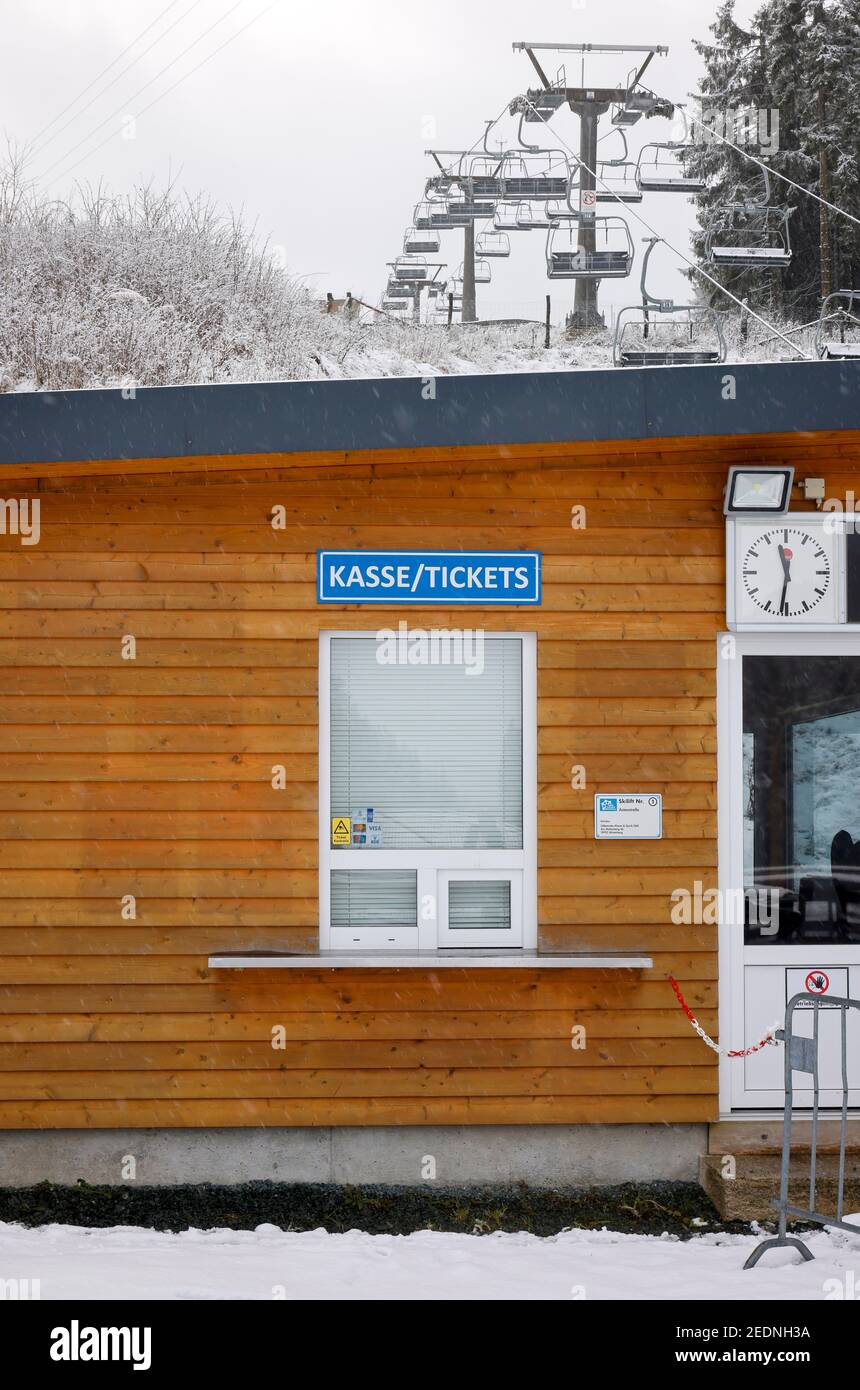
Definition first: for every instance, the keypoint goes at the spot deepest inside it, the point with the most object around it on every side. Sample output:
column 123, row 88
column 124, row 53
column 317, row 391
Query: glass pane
column 374, row 899
column 801, row 804
column 479, row 906
column 428, row 756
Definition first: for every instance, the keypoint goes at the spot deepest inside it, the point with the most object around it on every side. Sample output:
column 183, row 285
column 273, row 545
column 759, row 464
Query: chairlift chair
column 493, row 245
column 481, row 177
column 506, row 217
column 615, row 179
column 412, row 269
column 661, row 333
column 624, row 116
column 461, row 211
column 398, row 289
column 535, row 217
column 536, row 175
column 417, row 241
column 483, row 272
column 568, row 259
column 618, row 183
column 539, row 105
column 660, row 168
column 751, row 235
column 422, row 218
column 840, row 314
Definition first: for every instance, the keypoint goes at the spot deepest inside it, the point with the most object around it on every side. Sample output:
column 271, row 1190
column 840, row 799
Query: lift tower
column 630, row 101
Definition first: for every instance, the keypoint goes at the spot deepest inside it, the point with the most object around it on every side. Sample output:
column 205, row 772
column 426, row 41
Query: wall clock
column 784, row 571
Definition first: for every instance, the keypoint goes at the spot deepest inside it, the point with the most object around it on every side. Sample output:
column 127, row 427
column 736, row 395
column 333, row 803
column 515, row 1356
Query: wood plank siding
column 152, row 777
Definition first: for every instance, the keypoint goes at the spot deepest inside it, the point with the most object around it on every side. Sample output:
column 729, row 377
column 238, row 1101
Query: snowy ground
column 131, row 1263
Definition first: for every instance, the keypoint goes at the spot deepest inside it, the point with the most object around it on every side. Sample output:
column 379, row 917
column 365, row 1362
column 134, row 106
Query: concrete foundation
column 540, row 1155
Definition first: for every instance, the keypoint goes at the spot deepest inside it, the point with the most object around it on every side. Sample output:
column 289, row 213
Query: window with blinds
column 479, row 906
column 369, row 899
column 436, row 751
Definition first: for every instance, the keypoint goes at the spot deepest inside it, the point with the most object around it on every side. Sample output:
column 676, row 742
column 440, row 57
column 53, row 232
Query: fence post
column 548, row 313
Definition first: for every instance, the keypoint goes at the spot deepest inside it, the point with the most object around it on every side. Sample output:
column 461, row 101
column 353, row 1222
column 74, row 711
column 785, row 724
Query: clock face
column 786, row 573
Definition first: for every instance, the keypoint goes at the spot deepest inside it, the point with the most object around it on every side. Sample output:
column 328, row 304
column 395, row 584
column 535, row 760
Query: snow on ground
column 132, row 1263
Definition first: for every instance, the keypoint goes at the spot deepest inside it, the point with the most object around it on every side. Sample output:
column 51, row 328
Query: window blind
column 436, row 753
column 368, row 899
column 480, row 905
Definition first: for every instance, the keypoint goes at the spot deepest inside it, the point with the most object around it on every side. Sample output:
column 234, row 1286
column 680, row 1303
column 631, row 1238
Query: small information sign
column 628, row 816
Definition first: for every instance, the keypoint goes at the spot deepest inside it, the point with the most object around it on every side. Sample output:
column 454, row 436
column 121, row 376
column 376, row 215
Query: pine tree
column 734, row 82
column 802, row 59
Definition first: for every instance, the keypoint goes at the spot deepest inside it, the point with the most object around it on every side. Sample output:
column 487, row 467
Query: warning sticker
column 341, row 830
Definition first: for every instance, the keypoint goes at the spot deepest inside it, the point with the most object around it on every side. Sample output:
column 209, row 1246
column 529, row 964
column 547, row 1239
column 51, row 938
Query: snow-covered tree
column 802, row 59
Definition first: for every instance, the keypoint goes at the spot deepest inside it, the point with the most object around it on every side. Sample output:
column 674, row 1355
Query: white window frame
column 430, row 865
column 512, row 936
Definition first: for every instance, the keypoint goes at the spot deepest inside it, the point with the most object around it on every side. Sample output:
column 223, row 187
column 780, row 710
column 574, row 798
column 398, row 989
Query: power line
column 142, row 89
column 116, row 79
column 177, row 83
column 100, row 75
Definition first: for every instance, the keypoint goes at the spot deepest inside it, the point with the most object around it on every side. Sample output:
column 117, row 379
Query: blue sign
column 440, row 577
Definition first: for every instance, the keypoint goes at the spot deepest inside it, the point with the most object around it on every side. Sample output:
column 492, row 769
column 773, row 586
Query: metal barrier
column 801, row 1054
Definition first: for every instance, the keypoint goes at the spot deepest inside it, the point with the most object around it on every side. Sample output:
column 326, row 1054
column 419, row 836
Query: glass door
column 790, row 852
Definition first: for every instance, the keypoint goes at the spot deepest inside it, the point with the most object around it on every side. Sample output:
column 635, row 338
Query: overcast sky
column 315, row 119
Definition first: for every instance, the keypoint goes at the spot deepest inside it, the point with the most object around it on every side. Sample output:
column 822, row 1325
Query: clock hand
column 786, row 564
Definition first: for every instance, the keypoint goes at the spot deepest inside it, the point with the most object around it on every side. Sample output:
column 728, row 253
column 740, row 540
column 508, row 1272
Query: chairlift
column 480, row 176
column 539, row 105
column 624, row 116
column 615, row 179
column 751, row 235
column 536, row 175
column 422, row 218
column 840, row 315
column 661, row 168
column 535, row 217
column 661, row 333
column 507, row 218
column 396, row 289
column 493, row 245
column 638, row 102
column 412, row 269
column 483, row 272
column 567, row 258
column 417, row 241
column 460, row 212
column 617, row 183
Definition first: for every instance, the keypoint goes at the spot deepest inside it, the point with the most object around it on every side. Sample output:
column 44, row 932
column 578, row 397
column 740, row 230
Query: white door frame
column 430, row 864
column 734, row 955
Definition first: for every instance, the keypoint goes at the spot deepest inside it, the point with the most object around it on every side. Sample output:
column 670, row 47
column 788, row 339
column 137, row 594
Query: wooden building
column 187, row 940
